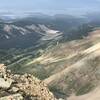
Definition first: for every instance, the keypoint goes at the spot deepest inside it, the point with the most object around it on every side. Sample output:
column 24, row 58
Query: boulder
column 13, row 97
column 5, row 83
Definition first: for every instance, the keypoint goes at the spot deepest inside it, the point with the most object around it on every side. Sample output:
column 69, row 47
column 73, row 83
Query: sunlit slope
column 69, row 67
column 82, row 71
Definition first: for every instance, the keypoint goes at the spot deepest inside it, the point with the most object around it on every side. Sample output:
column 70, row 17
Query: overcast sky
column 50, row 6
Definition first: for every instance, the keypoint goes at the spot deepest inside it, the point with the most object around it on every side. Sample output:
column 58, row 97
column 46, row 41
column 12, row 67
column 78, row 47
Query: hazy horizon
column 75, row 7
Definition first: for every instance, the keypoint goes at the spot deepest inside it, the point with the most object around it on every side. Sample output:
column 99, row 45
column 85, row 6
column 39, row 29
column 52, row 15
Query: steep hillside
column 14, row 36
column 70, row 67
column 35, row 30
column 80, row 72
column 65, row 58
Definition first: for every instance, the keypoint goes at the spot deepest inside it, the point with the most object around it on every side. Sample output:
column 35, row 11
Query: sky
column 50, row 6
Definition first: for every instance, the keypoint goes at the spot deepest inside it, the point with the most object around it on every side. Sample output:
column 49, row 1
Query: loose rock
column 22, row 87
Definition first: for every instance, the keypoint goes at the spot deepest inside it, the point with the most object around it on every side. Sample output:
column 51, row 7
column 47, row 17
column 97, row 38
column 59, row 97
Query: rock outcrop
column 22, row 87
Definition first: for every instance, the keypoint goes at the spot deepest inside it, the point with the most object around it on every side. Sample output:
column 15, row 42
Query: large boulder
column 5, row 83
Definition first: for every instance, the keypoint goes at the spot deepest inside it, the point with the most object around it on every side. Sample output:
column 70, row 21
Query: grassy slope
column 67, row 67
column 81, row 73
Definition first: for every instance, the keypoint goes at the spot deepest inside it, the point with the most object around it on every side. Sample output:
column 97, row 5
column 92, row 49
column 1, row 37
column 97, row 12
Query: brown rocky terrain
column 22, row 87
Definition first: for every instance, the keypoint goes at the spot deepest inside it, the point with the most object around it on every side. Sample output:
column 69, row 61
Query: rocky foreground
column 22, row 87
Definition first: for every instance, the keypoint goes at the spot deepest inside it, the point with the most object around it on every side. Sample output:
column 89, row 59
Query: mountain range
column 61, row 50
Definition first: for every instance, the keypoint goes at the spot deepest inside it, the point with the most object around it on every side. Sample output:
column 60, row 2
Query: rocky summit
column 22, row 87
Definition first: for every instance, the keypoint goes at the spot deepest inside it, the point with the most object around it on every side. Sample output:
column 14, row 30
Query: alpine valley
column 61, row 50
